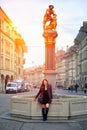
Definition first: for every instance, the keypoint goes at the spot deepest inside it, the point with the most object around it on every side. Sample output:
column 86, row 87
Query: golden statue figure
column 50, row 20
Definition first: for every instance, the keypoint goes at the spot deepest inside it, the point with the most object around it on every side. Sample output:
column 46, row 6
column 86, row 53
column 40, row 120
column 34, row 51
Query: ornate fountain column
column 50, row 34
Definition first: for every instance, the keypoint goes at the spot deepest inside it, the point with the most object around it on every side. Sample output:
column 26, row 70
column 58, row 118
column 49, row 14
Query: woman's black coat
column 49, row 90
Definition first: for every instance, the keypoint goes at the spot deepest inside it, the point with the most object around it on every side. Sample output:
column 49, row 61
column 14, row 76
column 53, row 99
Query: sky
column 27, row 15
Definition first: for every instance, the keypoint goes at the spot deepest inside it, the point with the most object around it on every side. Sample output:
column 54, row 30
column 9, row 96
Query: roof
column 82, row 33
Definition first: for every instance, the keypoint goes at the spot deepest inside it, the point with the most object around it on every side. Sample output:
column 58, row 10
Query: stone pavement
column 13, row 123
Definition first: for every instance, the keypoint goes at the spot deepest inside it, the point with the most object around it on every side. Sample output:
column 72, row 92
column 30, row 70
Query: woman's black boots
column 47, row 109
column 43, row 113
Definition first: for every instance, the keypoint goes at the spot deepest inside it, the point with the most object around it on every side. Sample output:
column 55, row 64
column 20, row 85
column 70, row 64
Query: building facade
column 34, row 75
column 72, row 65
column 81, row 41
column 12, row 48
column 66, row 66
column 60, row 67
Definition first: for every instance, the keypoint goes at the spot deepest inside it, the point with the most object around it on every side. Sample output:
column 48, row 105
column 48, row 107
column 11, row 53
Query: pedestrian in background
column 70, row 88
column 76, row 87
column 45, row 94
column 85, row 88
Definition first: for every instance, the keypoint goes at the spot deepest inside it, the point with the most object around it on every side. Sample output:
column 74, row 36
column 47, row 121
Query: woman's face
column 45, row 82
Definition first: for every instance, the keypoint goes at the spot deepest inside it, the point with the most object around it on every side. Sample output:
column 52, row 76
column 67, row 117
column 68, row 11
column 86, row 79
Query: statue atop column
column 50, row 20
column 50, row 34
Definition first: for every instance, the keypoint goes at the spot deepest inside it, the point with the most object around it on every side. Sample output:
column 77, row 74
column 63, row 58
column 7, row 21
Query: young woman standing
column 46, row 93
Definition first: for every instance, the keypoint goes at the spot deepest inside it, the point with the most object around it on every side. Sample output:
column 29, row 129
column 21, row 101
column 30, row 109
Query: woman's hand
column 35, row 99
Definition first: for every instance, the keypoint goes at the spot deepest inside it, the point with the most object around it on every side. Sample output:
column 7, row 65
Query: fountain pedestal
column 63, row 107
column 50, row 61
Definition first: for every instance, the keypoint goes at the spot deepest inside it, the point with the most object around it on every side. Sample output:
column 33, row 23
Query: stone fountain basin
column 62, row 107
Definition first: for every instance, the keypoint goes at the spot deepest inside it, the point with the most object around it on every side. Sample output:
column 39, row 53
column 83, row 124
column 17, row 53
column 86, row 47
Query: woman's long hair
column 43, row 82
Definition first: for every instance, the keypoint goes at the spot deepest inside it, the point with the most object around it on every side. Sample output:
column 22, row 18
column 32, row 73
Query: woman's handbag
column 40, row 98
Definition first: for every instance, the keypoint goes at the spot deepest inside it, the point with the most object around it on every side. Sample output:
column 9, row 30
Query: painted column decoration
column 50, row 34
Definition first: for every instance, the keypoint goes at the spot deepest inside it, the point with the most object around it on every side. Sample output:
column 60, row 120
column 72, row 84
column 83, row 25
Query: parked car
column 25, row 87
column 19, row 89
column 11, row 87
